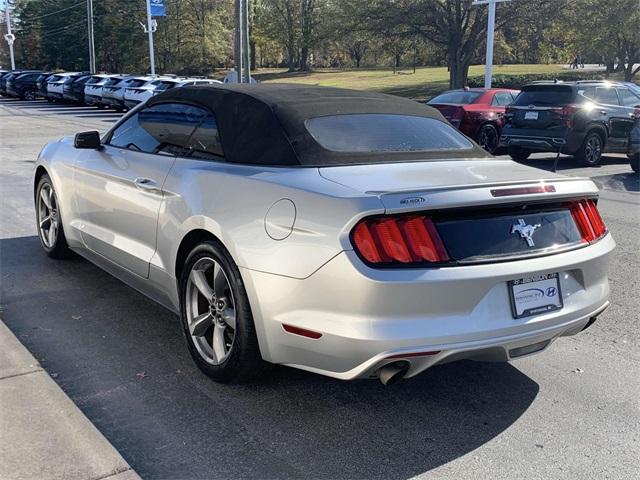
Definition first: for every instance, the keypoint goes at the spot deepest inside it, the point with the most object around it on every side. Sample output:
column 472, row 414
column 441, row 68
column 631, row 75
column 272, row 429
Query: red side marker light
column 303, row 332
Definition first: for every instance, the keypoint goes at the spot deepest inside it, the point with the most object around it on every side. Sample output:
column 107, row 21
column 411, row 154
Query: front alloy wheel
column 50, row 229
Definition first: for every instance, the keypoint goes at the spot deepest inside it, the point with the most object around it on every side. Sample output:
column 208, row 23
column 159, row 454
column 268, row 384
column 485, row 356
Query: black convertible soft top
column 265, row 124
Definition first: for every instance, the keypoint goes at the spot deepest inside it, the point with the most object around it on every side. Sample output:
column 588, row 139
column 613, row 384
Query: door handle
column 145, row 184
column 603, row 112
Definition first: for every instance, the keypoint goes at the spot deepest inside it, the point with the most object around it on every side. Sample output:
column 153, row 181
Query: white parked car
column 141, row 89
column 113, row 91
column 136, row 95
column 55, row 86
column 93, row 89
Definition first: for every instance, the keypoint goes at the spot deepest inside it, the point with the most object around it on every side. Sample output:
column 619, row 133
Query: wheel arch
column 192, row 239
column 600, row 129
column 40, row 171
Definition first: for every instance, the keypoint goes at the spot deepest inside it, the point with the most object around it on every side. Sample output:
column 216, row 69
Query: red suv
column 476, row 112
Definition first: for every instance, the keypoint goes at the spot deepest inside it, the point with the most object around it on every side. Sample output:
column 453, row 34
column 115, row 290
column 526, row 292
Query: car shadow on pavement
column 122, row 359
column 629, row 182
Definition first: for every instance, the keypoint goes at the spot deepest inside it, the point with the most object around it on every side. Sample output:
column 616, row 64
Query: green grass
column 426, row 82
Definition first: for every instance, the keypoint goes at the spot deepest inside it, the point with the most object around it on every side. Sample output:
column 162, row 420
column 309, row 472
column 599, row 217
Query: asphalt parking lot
column 570, row 412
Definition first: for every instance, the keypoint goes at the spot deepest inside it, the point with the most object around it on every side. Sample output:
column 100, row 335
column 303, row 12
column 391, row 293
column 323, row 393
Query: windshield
column 456, row 97
column 384, row 133
column 544, row 95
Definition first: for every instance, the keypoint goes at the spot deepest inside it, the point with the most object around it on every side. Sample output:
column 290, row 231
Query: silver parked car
column 346, row 233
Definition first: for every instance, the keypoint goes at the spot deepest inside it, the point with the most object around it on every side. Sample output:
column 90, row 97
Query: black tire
column 100, row 106
column 57, row 248
column 519, row 154
column 590, row 152
column 634, row 161
column 29, row 95
column 488, row 138
column 244, row 361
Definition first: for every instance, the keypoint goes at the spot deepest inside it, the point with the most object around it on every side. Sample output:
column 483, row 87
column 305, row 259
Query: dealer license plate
column 535, row 295
column 530, row 115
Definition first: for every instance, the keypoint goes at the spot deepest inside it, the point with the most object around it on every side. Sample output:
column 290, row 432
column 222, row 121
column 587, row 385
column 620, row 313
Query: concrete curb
column 43, row 434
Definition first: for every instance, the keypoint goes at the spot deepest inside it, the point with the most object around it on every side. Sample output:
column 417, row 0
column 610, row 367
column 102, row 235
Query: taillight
column 405, row 240
column 457, row 116
column 585, row 214
column 568, row 111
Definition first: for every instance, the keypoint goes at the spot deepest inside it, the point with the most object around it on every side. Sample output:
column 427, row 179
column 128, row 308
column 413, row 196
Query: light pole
column 491, row 25
column 9, row 37
column 150, row 33
column 242, row 54
column 92, row 48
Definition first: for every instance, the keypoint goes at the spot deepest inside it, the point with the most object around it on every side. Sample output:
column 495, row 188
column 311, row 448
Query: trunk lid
column 433, row 175
column 453, row 183
column 482, row 210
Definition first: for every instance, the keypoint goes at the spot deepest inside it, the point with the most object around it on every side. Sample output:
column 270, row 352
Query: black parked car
column 7, row 79
column 73, row 87
column 584, row 119
column 23, row 86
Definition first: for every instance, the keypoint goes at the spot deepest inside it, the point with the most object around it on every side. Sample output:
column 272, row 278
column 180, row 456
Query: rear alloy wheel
column 50, row 229
column 518, row 154
column 590, row 153
column 488, row 138
column 216, row 316
column 29, row 95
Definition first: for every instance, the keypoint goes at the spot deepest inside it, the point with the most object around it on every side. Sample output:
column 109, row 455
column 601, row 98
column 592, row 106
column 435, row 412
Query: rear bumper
column 112, row 102
column 56, row 95
column 92, row 99
column 131, row 103
column 542, row 140
column 73, row 97
column 367, row 315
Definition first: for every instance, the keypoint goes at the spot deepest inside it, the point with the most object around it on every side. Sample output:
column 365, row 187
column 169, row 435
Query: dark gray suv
column 584, row 119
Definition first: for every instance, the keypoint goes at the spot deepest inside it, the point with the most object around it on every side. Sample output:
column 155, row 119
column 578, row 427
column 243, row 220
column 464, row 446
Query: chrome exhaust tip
column 393, row 372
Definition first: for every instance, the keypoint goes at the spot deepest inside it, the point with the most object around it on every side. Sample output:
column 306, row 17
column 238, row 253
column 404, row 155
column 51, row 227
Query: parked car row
column 583, row 118
column 118, row 91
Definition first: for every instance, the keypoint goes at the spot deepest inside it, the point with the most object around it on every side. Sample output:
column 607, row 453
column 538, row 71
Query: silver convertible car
column 352, row 234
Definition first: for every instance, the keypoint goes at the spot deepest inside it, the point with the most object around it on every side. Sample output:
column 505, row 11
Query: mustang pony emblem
column 525, row 231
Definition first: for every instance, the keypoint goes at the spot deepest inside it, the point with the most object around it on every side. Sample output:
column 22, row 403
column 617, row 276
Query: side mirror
column 89, row 140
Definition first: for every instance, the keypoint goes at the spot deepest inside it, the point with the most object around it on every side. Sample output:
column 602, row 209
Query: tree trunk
column 304, row 59
column 252, row 52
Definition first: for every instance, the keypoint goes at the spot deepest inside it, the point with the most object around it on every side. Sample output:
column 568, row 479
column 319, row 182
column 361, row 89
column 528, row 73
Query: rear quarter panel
column 232, row 201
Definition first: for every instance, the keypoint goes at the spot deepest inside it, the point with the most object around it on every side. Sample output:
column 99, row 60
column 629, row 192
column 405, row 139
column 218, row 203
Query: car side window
column 205, row 142
column 162, row 129
column 628, row 98
column 502, row 99
column 607, row 96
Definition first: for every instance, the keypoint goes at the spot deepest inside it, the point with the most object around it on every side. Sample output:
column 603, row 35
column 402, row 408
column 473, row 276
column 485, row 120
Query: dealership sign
column 158, row 8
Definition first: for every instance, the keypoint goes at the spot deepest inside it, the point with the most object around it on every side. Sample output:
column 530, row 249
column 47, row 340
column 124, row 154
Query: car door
column 616, row 117
column 630, row 104
column 119, row 188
